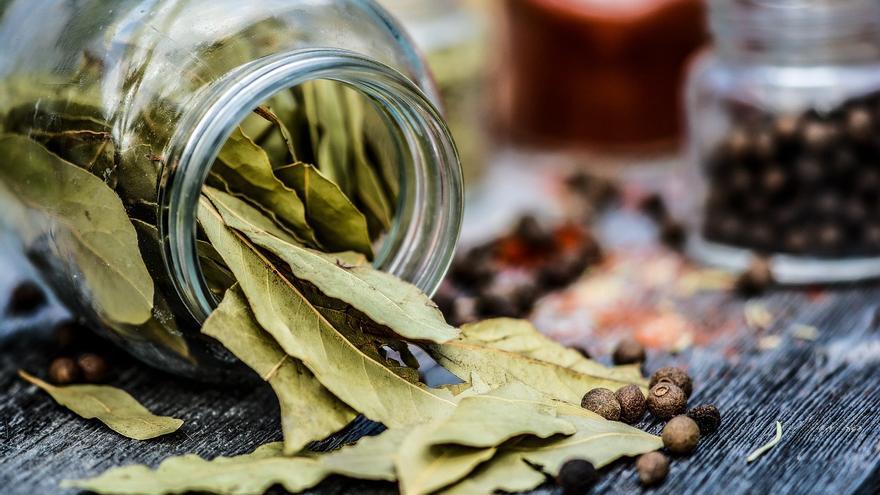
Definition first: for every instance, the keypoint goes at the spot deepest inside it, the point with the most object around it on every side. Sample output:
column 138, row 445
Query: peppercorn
column 681, row 435
column 652, row 467
column 602, row 402
column 672, row 233
column 26, row 298
column 859, row 124
column 666, row 400
column 529, row 230
column 64, row 371
column 756, row 279
column 654, row 207
column 707, row 417
column 629, row 351
column 576, row 477
column 94, row 368
column 632, row 403
column 677, row 376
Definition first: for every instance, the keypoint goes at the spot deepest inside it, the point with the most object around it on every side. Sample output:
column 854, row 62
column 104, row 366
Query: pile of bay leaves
column 287, row 249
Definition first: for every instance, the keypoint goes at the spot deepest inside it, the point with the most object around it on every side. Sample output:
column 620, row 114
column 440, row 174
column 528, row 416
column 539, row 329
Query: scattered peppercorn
column 652, row 467
column 576, row 477
column 681, row 435
column 675, row 375
column 672, row 233
column 26, row 298
column 654, row 207
column 629, row 351
column 602, row 402
column 707, row 417
column 756, row 279
column 64, row 371
column 666, row 400
column 94, row 368
column 632, row 403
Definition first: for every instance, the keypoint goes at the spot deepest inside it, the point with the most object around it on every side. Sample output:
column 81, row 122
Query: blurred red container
column 598, row 74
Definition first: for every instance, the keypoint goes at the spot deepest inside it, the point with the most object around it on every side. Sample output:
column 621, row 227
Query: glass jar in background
column 784, row 115
column 453, row 37
column 142, row 95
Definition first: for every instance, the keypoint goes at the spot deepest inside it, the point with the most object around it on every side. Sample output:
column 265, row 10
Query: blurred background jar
column 453, row 36
column 783, row 117
column 596, row 76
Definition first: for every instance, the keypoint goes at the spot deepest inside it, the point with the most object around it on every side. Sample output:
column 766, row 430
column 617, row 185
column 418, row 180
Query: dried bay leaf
column 94, row 226
column 112, row 406
column 303, row 332
column 424, row 468
column 521, row 337
column 497, row 368
column 489, row 421
column 339, row 225
column 309, row 412
column 506, row 472
column 246, row 169
column 598, row 440
column 269, row 115
column 371, row 458
column 250, row 474
column 384, row 298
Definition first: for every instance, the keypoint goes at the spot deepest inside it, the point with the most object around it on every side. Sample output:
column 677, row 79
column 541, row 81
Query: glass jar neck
column 794, row 32
column 420, row 245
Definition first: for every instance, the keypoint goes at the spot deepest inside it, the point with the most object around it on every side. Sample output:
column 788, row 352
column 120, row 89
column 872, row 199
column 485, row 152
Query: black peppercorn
column 64, row 371
column 666, row 400
column 629, row 351
column 787, row 127
column 94, row 368
column 652, row 467
column 773, row 179
column 677, row 376
column 654, row 207
column 632, row 403
column 672, row 233
column 26, row 298
column 818, row 135
column 859, row 124
column 576, row 477
column 707, row 417
column 756, row 279
column 602, row 402
column 529, row 230
column 681, row 435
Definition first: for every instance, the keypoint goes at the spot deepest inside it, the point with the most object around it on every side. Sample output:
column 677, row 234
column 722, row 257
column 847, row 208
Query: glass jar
column 453, row 37
column 784, row 114
column 162, row 84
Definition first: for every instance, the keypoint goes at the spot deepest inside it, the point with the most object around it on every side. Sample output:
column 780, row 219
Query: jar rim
column 427, row 225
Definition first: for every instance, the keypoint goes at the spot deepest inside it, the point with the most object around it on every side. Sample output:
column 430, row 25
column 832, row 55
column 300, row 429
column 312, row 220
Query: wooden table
column 826, row 392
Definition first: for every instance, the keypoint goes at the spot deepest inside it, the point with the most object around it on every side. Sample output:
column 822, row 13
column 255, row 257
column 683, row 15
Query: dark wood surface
column 826, row 393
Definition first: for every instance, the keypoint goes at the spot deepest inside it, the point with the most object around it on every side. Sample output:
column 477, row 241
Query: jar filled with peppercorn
column 784, row 118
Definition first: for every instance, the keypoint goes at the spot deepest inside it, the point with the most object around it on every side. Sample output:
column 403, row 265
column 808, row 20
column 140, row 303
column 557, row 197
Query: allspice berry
column 602, row 402
column 632, row 403
column 576, row 477
column 707, row 417
column 64, row 371
column 94, row 368
column 629, row 351
column 652, row 467
column 681, row 435
column 675, row 375
column 666, row 400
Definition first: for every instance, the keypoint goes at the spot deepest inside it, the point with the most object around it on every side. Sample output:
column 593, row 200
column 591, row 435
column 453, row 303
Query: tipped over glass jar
column 115, row 114
column 784, row 124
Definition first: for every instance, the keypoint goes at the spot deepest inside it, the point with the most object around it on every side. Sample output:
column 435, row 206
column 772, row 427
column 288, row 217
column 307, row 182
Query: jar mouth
column 420, row 244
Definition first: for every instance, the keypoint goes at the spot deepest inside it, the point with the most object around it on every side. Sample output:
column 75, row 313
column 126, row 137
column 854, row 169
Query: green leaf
column 490, row 420
column 303, row 332
column 246, row 169
column 384, row 298
column 309, row 412
column 250, row 474
column 424, row 468
column 521, row 337
column 339, row 225
column 92, row 223
column 113, row 407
